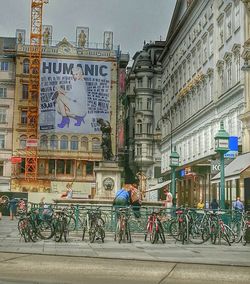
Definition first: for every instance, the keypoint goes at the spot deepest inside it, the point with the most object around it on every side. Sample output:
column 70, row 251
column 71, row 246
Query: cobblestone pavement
column 138, row 250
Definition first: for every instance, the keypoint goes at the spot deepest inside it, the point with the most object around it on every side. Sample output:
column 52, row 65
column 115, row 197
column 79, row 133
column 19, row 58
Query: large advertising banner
column 74, row 94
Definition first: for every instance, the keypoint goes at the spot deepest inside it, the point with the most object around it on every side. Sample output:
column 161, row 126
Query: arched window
column 139, row 126
column 64, row 143
column 84, row 143
column 44, row 142
column 53, row 142
column 23, row 140
column 74, row 143
column 96, row 145
column 26, row 66
column 25, row 93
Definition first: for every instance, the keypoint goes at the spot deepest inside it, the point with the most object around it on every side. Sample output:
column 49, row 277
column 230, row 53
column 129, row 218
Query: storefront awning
column 235, row 168
column 159, row 185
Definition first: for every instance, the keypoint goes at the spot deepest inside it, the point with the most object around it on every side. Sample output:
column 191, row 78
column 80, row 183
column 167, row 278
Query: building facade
column 202, row 84
column 142, row 111
column 7, row 89
column 69, row 136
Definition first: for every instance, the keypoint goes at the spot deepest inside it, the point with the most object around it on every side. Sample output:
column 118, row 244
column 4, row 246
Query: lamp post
column 221, row 147
column 174, row 163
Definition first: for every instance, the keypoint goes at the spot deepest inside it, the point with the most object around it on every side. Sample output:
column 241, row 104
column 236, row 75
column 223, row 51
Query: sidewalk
column 138, row 250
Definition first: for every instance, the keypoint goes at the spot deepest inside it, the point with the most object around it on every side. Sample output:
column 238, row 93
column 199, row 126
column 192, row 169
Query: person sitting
column 214, row 204
column 200, row 204
column 238, row 205
column 135, row 198
column 122, row 197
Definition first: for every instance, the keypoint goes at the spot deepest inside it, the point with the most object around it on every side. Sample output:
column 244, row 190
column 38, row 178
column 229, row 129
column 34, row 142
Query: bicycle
column 94, row 224
column 154, row 228
column 60, row 226
column 122, row 227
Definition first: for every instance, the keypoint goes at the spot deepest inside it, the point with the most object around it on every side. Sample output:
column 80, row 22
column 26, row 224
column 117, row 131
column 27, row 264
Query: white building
column 202, row 84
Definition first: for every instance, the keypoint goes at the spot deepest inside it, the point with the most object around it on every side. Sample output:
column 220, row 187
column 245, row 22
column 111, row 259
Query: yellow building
column 68, row 149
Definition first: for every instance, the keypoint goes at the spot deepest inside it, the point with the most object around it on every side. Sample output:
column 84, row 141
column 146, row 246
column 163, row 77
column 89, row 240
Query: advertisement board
column 73, row 95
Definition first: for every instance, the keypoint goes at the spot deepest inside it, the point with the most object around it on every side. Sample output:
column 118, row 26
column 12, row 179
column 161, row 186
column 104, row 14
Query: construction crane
column 35, row 54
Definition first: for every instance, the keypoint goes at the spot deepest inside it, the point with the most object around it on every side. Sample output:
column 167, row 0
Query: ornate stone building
column 7, row 89
column 65, row 154
column 142, row 108
column 202, row 84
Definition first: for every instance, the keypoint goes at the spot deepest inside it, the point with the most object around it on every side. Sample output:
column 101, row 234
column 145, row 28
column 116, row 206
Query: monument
column 108, row 173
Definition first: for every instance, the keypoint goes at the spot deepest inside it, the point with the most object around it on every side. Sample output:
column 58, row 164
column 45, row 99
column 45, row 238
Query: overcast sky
column 132, row 21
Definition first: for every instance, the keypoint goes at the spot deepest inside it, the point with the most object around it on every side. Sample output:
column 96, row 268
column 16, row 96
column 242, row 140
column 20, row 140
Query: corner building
column 69, row 146
column 202, row 84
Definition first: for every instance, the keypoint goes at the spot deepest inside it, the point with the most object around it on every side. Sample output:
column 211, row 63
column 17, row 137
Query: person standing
column 13, row 205
column 214, row 204
column 238, row 205
column 1, row 207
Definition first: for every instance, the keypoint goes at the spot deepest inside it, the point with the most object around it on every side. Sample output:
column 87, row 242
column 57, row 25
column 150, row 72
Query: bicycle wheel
column 84, row 230
column 196, row 234
column 213, row 233
column 174, row 229
column 92, row 233
column 236, row 227
column 230, row 233
column 45, row 230
column 22, row 228
column 58, row 231
column 154, row 236
column 71, row 222
column 161, row 233
column 128, row 233
column 102, row 233
column 65, row 231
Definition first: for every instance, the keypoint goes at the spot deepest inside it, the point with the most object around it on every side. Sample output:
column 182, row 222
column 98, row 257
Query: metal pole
column 173, row 181
column 171, row 128
column 222, row 181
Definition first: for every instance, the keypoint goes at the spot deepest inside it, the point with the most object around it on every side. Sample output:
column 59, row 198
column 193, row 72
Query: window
column 140, row 83
column 149, row 104
column 79, row 168
column 149, row 83
column 221, row 76
column 64, row 143
column 139, row 104
column 23, row 139
column 139, row 126
column 229, row 24
column 210, row 91
column 74, row 143
column 89, row 168
column 60, row 165
column 3, row 115
column 237, row 66
column 52, row 166
column 4, row 66
column 1, row 168
column 96, row 145
column 2, row 141
column 84, row 143
column 139, row 149
column 3, row 92
column 23, row 117
column 149, row 128
column 221, row 32
column 205, row 49
column 229, row 73
column 54, row 142
column 236, row 15
column 26, row 66
column 211, row 43
column 69, row 167
column 199, row 55
column 44, row 142
column 25, row 93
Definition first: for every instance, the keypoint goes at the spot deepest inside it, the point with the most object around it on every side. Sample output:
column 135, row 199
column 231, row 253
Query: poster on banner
column 73, row 95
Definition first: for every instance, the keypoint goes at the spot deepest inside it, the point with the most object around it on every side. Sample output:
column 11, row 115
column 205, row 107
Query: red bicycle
column 154, row 228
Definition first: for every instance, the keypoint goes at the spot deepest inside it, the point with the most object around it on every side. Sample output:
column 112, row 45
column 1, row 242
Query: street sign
column 31, row 143
column 15, row 160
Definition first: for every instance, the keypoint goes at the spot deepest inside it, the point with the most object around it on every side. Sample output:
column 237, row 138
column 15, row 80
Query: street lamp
column 165, row 117
column 174, row 163
column 221, row 147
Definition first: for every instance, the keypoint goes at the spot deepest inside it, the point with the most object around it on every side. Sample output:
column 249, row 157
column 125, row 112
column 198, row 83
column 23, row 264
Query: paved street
column 207, row 253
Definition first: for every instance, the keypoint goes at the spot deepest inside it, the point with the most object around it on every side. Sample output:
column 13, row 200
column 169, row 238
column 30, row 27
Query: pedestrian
column 168, row 203
column 69, row 191
column 200, row 204
column 214, row 204
column 238, row 205
column 122, row 197
column 13, row 205
column 135, row 199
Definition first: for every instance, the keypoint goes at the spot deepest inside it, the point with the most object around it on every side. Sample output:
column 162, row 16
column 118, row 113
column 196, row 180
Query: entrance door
column 247, row 193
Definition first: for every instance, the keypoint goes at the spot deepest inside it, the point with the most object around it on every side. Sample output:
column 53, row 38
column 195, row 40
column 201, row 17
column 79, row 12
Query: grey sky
column 132, row 21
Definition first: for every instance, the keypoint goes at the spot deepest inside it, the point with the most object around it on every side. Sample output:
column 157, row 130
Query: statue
column 81, row 39
column 46, row 35
column 106, row 139
column 20, row 38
